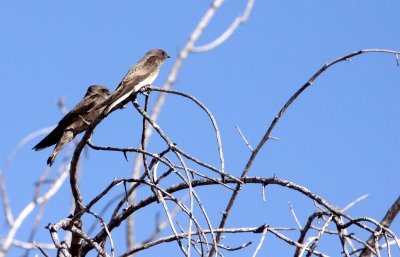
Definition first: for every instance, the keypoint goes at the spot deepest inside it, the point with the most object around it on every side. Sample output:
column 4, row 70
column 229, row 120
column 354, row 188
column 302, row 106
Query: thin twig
column 264, row 233
column 320, row 233
column 244, row 139
column 386, row 222
column 7, row 163
column 40, row 249
column 177, row 149
column 161, row 226
column 104, row 225
column 195, row 183
column 228, row 32
column 208, row 112
column 29, row 208
column 303, row 232
column 294, row 216
column 267, row 135
column 338, row 222
column 256, row 230
column 184, row 53
column 350, row 205
column 54, row 236
column 305, row 245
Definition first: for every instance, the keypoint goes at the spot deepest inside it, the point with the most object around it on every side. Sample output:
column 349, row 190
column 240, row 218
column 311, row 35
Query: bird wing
column 50, row 139
column 84, row 106
column 135, row 76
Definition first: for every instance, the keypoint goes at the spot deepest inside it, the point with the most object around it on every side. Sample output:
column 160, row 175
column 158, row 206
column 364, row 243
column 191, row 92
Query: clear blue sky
column 339, row 139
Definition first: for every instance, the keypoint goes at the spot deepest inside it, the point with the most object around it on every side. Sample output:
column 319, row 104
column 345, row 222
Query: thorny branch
column 329, row 210
column 193, row 178
column 255, row 180
column 267, row 135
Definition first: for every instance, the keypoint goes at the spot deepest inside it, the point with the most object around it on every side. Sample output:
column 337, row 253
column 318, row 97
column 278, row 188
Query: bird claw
column 145, row 90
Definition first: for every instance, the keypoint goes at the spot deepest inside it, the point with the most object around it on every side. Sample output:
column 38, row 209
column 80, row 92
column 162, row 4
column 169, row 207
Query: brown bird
column 74, row 122
column 141, row 74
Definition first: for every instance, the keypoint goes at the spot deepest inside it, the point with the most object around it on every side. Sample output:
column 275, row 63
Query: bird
column 75, row 121
column 139, row 75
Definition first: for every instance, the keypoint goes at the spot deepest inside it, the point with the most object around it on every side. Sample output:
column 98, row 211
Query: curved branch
column 386, row 222
column 202, row 106
column 29, row 208
column 177, row 149
column 183, row 54
column 203, row 182
column 228, row 32
column 7, row 163
column 256, row 230
column 267, row 135
column 159, row 157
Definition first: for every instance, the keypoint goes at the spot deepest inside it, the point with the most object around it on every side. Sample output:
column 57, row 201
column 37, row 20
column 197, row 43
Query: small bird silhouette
column 74, row 122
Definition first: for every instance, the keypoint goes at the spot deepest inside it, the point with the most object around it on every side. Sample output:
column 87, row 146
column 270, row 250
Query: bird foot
column 145, row 90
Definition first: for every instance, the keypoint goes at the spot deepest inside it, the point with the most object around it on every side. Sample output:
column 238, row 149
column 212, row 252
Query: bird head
column 157, row 55
column 98, row 90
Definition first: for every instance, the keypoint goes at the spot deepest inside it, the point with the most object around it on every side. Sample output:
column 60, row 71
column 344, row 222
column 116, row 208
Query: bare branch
column 320, row 233
column 184, row 53
column 264, row 233
column 6, row 200
column 40, row 249
column 54, row 236
column 304, row 231
column 256, row 230
column 244, row 139
column 338, row 222
column 232, row 28
column 350, row 205
column 30, row 207
column 267, row 135
column 177, row 149
column 294, row 216
column 386, row 222
column 213, row 121
column 251, row 180
column 161, row 226
column 7, row 164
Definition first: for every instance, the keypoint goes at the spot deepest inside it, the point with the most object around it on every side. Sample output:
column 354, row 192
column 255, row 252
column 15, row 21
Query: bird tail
column 52, row 157
column 49, row 140
column 67, row 136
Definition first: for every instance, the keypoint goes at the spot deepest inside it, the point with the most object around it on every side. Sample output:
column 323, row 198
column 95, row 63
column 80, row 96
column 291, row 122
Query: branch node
column 261, row 228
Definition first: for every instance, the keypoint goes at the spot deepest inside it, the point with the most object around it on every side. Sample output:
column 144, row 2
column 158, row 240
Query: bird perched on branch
column 141, row 74
column 75, row 122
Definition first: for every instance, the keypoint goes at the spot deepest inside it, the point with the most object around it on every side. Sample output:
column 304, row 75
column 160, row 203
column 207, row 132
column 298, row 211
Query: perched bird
column 141, row 74
column 74, row 122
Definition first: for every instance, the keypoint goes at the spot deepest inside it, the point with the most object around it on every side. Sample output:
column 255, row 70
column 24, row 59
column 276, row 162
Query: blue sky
column 340, row 138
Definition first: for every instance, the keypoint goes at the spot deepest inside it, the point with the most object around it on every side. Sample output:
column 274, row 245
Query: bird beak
column 168, row 56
